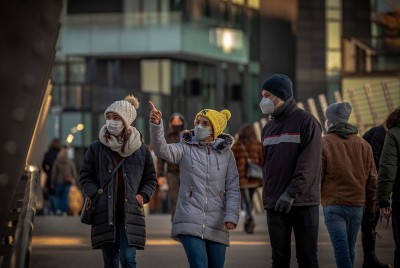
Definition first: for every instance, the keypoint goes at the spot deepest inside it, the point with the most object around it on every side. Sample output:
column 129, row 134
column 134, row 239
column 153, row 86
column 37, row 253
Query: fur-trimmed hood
column 222, row 143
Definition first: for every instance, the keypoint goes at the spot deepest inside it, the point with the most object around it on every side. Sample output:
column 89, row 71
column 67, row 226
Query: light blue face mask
column 201, row 133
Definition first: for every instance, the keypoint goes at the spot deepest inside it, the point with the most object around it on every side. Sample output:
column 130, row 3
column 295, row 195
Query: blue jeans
column 120, row 249
column 61, row 203
column 304, row 221
column 247, row 198
column 343, row 224
column 203, row 253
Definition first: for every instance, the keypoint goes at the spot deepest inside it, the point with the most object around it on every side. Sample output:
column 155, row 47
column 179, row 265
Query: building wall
column 310, row 49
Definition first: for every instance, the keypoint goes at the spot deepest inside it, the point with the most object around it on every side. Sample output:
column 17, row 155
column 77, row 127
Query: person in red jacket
column 247, row 148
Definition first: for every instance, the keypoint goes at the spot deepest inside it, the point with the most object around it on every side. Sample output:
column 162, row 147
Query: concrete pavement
column 65, row 242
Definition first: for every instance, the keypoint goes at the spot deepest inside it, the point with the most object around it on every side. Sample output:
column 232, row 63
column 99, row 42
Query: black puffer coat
column 140, row 178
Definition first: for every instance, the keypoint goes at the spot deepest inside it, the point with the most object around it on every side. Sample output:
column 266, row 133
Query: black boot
column 374, row 263
column 249, row 226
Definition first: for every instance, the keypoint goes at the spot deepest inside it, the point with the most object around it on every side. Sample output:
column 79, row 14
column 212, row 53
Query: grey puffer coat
column 139, row 177
column 209, row 192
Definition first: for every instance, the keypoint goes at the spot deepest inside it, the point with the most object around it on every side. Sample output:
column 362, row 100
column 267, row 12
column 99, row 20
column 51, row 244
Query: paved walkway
column 64, row 242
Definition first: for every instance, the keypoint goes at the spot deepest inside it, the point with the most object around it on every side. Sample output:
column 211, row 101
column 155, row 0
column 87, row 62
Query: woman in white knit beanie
column 118, row 226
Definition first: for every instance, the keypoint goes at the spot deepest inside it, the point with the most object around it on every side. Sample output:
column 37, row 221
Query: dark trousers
column 304, row 221
column 368, row 234
column 396, row 231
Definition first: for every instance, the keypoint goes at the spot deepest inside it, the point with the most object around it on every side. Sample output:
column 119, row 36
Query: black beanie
column 280, row 85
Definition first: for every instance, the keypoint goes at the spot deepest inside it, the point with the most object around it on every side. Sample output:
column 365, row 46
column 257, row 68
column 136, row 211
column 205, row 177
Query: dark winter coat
column 389, row 169
column 140, row 178
column 292, row 157
column 376, row 137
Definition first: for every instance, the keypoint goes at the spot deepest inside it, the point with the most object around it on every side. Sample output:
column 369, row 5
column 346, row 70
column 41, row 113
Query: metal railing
column 16, row 245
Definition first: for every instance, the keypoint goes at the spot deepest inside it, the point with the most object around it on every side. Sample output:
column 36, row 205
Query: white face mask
column 267, row 106
column 201, row 133
column 114, row 127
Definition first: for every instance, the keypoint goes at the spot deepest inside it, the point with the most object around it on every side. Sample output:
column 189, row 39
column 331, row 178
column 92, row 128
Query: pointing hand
column 155, row 114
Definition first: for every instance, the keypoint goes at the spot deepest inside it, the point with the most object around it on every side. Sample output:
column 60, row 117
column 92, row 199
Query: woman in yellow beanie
column 209, row 197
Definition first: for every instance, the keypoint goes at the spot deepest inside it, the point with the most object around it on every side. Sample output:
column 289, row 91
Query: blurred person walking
column 247, row 148
column 167, row 171
column 348, row 182
column 209, row 197
column 63, row 175
column 389, row 179
column 291, row 167
column 49, row 192
column 375, row 137
column 119, row 226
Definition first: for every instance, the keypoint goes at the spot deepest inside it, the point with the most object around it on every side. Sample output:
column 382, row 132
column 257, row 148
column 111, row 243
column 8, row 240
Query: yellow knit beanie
column 218, row 119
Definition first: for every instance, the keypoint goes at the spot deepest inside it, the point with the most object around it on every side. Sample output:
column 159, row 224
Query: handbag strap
column 101, row 190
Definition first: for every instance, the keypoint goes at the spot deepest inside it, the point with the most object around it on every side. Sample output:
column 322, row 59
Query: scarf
column 343, row 129
column 131, row 146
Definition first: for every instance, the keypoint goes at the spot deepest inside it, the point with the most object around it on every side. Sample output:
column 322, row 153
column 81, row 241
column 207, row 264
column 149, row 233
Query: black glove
column 284, row 203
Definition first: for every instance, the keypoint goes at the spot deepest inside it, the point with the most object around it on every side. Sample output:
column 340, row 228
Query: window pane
column 333, row 61
column 254, row 4
column 333, row 14
column 333, row 35
column 150, row 76
column 333, row 3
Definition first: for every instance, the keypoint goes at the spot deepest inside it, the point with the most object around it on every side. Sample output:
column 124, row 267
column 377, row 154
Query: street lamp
column 74, row 130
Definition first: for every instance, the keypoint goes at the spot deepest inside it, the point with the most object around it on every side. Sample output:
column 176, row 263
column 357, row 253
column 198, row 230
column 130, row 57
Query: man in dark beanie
column 348, row 182
column 291, row 167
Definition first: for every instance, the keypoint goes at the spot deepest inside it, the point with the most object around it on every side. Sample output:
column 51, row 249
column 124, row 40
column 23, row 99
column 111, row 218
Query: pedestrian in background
column 209, row 197
column 389, row 179
column 291, row 167
column 48, row 192
column 247, row 148
column 119, row 226
column 63, row 175
column 168, row 171
column 348, row 182
column 375, row 137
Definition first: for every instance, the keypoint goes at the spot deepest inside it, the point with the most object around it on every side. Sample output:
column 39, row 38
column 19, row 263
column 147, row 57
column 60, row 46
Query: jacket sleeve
column 87, row 180
column 232, row 192
column 170, row 152
column 309, row 158
column 323, row 161
column 370, row 187
column 149, row 180
column 387, row 170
